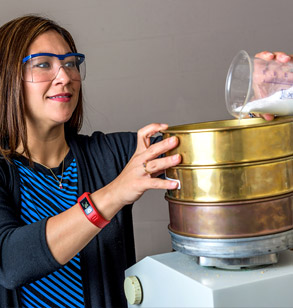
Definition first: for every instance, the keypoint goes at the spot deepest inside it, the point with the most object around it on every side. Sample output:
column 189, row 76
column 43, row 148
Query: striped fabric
column 41, row 197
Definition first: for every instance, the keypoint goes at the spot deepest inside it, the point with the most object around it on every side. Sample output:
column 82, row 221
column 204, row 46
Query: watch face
column 86, row 206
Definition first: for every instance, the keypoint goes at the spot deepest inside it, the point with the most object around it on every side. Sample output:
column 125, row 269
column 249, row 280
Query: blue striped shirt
column 41, row 197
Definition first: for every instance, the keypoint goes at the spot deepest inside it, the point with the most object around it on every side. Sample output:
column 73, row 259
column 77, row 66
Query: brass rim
column 233, row 124
column 227, row 203
column 235, row 165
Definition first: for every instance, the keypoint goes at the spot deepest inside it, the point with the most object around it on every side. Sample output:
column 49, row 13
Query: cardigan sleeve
column 24, row 253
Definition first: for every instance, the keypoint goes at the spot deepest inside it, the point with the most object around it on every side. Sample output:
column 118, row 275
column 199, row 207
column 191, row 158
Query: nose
column 62, row 75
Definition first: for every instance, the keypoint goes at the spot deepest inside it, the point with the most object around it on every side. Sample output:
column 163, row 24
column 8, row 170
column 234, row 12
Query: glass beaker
column 255, row 85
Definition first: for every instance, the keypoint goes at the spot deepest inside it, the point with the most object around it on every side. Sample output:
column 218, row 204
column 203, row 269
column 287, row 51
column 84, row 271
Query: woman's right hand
column 140, row 174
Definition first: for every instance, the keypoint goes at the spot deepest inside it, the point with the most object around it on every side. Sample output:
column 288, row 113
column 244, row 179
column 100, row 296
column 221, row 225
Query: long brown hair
column 15, row 39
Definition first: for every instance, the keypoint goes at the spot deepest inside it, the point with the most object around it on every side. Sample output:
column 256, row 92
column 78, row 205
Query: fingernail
column 175, row 157
column 173, row 184
column 284, row 57
column 172, row 140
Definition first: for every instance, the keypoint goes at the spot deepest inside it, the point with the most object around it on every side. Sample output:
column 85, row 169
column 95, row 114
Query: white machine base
column 176, row 280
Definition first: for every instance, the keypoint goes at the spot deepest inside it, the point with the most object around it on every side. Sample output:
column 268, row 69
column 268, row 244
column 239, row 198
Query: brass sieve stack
column 236, row 178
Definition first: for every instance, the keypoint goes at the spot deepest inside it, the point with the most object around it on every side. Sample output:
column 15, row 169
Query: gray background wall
column 160, row 61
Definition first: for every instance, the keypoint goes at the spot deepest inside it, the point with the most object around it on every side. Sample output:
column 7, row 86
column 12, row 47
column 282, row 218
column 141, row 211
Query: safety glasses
column 41, row 67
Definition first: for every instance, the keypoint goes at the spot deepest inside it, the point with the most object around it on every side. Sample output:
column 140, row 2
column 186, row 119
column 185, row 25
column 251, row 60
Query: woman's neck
column 48, row 148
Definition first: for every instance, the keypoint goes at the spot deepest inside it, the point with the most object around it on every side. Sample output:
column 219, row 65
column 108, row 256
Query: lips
column 61, row 97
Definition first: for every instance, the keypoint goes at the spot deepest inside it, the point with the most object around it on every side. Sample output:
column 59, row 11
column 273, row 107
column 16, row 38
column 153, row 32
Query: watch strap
column 90, row 211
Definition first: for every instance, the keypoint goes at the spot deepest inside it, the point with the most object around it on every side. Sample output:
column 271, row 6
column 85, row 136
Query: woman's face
column 50, row 103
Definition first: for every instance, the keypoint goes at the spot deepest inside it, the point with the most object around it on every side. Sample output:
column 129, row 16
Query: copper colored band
column 239, row 219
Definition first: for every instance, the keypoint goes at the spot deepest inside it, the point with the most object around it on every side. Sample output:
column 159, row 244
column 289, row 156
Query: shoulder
column 119, row 146
column 112, row 141
column 121, row 140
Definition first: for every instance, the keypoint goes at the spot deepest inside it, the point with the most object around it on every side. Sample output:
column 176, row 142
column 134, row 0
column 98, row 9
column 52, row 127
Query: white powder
column 280, row 103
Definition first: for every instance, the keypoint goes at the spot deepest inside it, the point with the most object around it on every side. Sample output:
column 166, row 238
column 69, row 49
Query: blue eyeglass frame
column 60, row 57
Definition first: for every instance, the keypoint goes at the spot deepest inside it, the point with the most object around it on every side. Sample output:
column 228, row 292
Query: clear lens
column 46, row 68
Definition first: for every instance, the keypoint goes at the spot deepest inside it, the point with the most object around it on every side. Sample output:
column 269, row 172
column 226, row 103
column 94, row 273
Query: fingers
column 162, row 184
column 271, row 72
column 282, row 57
column 150, row 152
column 147, row 161
column 278, row 55
column 154, row 166
column 265, row 116
column 145, row 133
column 268, row 117
column 157, row 166
column 159, row 148
column 265, row 55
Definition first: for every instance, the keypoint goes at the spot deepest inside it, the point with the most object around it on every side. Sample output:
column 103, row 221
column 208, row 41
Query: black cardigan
column 25, row 255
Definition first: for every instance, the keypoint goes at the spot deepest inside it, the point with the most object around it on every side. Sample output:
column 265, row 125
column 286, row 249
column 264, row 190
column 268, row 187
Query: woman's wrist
column 91, row 212
column 105, row 202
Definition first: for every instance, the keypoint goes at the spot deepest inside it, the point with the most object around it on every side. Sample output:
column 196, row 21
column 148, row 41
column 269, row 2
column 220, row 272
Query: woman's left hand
column 140, row 174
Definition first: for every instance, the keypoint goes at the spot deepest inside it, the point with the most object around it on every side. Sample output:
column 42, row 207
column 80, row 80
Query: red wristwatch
column 91, row 212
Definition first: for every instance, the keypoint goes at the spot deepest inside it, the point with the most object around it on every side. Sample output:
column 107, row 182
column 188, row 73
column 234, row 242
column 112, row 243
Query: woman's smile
column 61, row 97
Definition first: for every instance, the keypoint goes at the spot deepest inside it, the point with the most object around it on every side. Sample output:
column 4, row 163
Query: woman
column 66, row 232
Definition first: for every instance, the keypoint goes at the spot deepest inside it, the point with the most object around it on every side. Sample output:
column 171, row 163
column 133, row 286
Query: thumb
column 145, row 133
